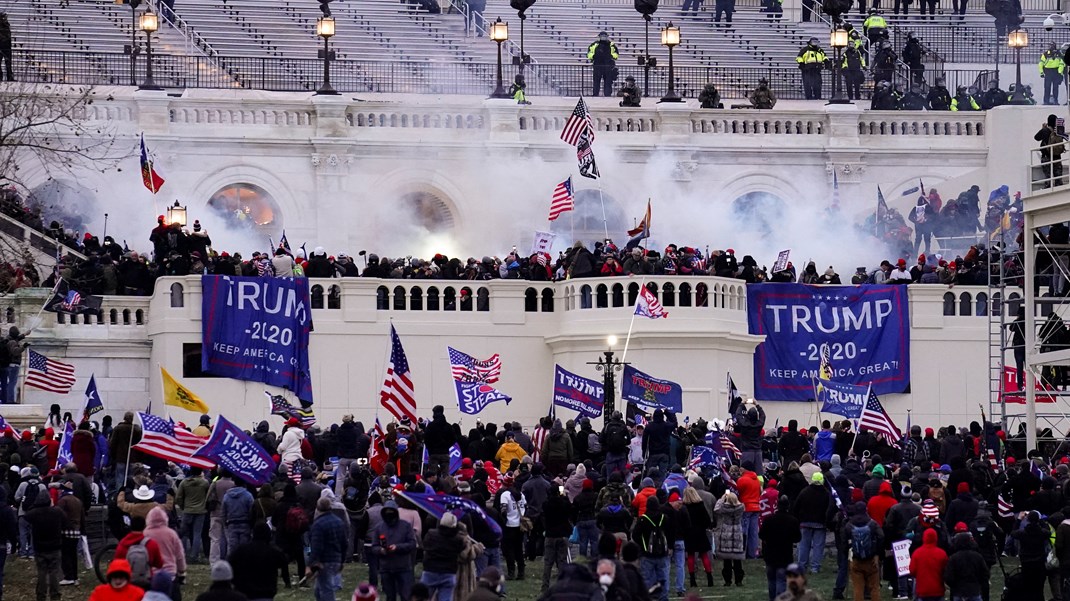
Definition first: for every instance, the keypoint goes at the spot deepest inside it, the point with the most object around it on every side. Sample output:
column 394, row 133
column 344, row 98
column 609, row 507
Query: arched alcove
column 247, row 206
column 757, row 211
column 587, row 218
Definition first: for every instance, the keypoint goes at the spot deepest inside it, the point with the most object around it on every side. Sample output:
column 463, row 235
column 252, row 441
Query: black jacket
column 221, row 591
column 439, row 436
column 442, row 547
column 656, row 436
column 346, row 438
column 779, row 533
column 556, row 515
column 812, row 504
column 46, row 523
column 965, row 571
column 257, row 565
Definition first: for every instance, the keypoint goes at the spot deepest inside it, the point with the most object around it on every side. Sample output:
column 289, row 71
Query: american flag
column 578, row 123
column 72, row 300
column 562, row 200
column 280, row 406
column 165, row 440
column 825, row 366
column 295, row 472
column 875, row 418
column 537, row 438
column 398, row 396
column 647, row 305
column 467, row 368
column 4, row 427
column 701, row 455
column 585, row 156
column 720, row 438
column 1003, row 508
column 48, row 374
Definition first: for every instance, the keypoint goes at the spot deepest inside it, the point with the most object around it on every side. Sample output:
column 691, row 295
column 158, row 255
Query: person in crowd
column 853, row 69
column 864, row 538
column 696, row 538
column 46, row 526
column 762, row 97
column 729, row 543
column 1052, row 145
column 1052, row 68
column 394, row 545
column 779, row 533
column 964, row 101
column 222, row 584
column 172, row 554
column 811, row 60
column 651, row 534
column 1033, row 541
column 74, row 526
column 5, row 46
column 118, row 586
column 15, row 343
column 217, row 492
column 927, row 566
column 812, row 509
column 629, row 93
column 328, row 541
column 191, row 500
column 710, row 97
column 489, row 585
column 258, row 564
column 796, row 586
column 442, row 547
column 993, row 96
column 603, row 55
column 939, row 97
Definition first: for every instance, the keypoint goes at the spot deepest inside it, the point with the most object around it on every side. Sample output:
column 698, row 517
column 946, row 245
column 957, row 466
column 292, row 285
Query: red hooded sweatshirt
column 878, row 506
column 927, row 566
column 750, row 491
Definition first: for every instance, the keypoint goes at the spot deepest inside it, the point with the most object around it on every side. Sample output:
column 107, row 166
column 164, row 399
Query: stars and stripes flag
column 647, row 305
column 72, row 300
column 825, row 366
column 562, row 200
column 281, row 407
column 538, row 437
column 168, row 441
column 703, row 455
column 718, row 437
column 49, row 374
column 578, row 123
column 4, row 427
column 149, row 176
column 295, row 472
column 1003, row 507
column 398, row 395
column 876, row 419
column 466, row 368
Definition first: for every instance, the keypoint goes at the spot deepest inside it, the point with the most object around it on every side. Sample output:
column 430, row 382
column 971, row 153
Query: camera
column 362, row 461
column 1049, row 23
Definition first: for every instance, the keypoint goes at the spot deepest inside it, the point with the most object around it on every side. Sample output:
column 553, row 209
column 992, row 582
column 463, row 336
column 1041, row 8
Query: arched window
column 246, row 206
column 949, row 303
column 685, row 294
column 316, row 294
column 177, row 299
column 668, row 295
column 982, row 304
column 466, row 299
column 618, row 295
column 382, row 298
column 531, row 300
column 399, row 298
column 9, row 315
column 113, row 317
column 965, row 305
column 126, row 317
column 601, row 296
column 139, row 315
column 547, row 300
column 432, row 299
column 702, row 295
column 416, row 299
column 585, row 296
column 482, row 299
column 449, row 299
column 334, row 297
column 633, row 293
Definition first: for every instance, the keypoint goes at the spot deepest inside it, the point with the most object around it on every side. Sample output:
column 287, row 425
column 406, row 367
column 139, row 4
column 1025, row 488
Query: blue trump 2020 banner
column 257, row 329
column 650, row 393
column 578, row 393
column 236, row 451
column 842, row 399
column 473, row 397
column 866, row 328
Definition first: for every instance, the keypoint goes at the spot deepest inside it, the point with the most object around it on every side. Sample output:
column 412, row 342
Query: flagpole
column 855, row 439
column 631, row 324
column 605, row 223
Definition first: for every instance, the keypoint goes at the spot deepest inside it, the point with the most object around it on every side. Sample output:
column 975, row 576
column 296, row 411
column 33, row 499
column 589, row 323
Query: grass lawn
column 20, row 579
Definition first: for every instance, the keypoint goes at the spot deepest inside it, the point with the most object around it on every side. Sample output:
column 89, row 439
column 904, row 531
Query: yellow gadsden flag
column 179, row 396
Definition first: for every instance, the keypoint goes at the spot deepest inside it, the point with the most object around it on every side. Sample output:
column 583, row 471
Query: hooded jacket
column 509, row 451
column 879, row 506
column 927, row 566
column 289, row 449
column 812, row 506
column 264, row 437
column 558, row 445
column 656, row 436
column 171, row 552
column 750, row 491
column 778, row 534
column 966, row 570
column 237, row 506
column 105, row 592
column 393, row 531
column 442, row 547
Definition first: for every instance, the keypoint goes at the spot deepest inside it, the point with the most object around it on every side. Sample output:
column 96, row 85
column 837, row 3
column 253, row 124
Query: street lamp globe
column 1018, row 38
column 176, row 214
column 499, row 31
column 838, row 38
column 611, row 340
column 149, row 22
column 325, row 27
column 670, row 35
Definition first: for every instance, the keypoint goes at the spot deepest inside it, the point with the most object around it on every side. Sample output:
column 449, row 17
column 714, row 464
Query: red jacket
column 878, row 506
column 155, row 559
column 927, row 566
column 639, row 502
column 750, row 491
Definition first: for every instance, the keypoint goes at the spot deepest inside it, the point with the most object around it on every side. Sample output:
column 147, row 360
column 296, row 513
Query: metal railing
column 303, row 75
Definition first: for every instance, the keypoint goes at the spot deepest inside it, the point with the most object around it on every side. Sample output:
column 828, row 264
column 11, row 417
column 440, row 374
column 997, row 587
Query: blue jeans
column 678, row 558
column 192, row 528
column 841, row 570
column 750, row 533
column 589, row 533
column 659, row 461
column 11, row 383
column 441, row 583
column 397, row 585
column 812, row 548
column 616, row 462
column 238, row 534
column 328, row 580
column 25, row 538
column 778, row 580
column 655, row 570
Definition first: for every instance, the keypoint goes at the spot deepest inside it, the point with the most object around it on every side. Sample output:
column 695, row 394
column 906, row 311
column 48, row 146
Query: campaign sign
column 842, row 399
column 867, row 329
column 651, row 393
column 236, row 451
column 578, row 393
column 901, row 552
column 473, row 397
column 257, row 329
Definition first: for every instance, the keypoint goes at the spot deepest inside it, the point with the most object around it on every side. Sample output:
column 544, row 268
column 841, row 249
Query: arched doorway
column 428, row 210
column 247, row 206
column 758, row 211
column 587, row 219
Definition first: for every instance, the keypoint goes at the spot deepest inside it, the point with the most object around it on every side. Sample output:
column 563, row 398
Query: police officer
column 854, row 71
column 1051, row 67
column 629, row 93
column 603, row 55
column 913, row 100
column 885, row 98
column 762, row 97
column 811, row 60
column 963, row 101
column 875, row 27
column 913, row 54
column 884, row 62
column 939, row 98
column 993, row 96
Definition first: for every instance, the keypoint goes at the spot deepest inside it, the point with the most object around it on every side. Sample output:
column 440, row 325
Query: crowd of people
column 647, row 519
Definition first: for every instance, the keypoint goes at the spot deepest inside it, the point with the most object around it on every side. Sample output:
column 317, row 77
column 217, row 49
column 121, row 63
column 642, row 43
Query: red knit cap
column 1010, row 461
column 857, row 495
column 674, row 497
column 588, row 484
column 963, row 487
column 961, row 527
column 929, row 432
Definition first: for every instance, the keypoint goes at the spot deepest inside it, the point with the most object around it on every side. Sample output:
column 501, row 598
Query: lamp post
column 325, row 30
column 1018, row 39
column 670, row 36
column 132, row 49
column 499, row 33
column 838, row 41
column 149, row 23
column 521, row 7
column 176, row 214
column 609, row 365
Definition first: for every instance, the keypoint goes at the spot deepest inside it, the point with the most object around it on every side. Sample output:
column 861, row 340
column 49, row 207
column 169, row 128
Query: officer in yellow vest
column 964, row 101
column 811, row 60
column 875, row 27
column 1052, row 68
column 603, row 55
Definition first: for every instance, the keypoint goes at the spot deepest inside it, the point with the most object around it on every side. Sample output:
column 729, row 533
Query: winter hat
column 929, row 509
column 963, row 487
column 674, row 497
column 878, row 469
column 961, row 527
column 1010, row 460
column 222, row 572
column 929, row 432
column 162, row 582
column 196, row 225
column 817, row 479
column 857, row 495
column 588, row 484
column 905, row 492
column 647, row 483
column 365, row 592
column 448, row 520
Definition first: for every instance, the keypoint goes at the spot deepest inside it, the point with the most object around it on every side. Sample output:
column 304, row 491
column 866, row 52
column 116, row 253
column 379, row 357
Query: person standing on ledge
column 811, row 60
column 603, row 55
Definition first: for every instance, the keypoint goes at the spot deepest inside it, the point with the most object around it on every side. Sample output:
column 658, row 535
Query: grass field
column 20, row 579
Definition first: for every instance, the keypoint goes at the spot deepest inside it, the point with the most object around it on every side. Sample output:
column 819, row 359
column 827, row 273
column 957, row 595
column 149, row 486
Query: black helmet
column 813, row 41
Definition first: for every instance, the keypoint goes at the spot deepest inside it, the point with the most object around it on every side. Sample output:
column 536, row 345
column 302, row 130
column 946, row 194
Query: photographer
column 629, row 93
column 1052, row 144
column 750, row 420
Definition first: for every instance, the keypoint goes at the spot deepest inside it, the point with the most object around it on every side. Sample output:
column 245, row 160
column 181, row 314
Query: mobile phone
column 561, row 490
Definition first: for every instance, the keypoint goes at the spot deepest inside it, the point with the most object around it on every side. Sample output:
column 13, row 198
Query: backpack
column 138, row 558
column 593, row 445
column 861, row 542
column 296, row 520
column 658, row 546
column 30, row 495
column 616, row 439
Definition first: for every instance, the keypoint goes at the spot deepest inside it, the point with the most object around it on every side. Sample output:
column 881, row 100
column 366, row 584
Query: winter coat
column 402, row 536
column 879, row 506
column 442, row 547
column 750, row 491
column 289, row 449
column 779, row 534
column 507, row 453
column 192, row 495
column 695, row 539
column 965, row 571
column 264, row 437
column 927, row 567
column 729, row 532
column 171, row 551
column 557, row 447
column 83, row 451
column 812, row 506
column 962, row 509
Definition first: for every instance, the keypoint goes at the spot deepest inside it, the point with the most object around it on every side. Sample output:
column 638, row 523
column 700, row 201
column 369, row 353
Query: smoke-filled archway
column 587, row 221
column 247, row 206
column 757, row 211
column 429, row 211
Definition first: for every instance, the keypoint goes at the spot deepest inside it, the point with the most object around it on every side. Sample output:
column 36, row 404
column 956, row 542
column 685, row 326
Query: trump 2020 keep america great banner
column 866, row 328
column 257, row 329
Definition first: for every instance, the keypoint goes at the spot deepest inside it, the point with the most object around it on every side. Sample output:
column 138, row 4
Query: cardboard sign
column 901, row 549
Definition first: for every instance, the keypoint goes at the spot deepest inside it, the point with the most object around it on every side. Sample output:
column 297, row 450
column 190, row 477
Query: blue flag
column 238, row 452
column 455, row 458
column 64, row 456
column 578, row 393
column 650, row 393
column 93, row 404
column 473, row 397
column 702, row 456
column 842, row 399
column 438, row 504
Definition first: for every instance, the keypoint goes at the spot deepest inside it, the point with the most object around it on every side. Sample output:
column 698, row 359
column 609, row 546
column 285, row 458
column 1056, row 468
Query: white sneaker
column 67, row 582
